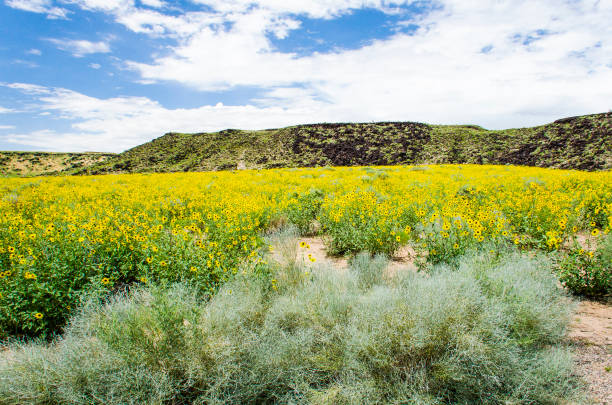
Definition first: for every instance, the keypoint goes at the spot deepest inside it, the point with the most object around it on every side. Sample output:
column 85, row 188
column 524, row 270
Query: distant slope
column 583, row 142
column 39, row 163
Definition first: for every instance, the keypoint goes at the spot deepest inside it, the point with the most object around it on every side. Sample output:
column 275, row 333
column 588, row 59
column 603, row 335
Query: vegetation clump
column 588, row 272
column 488, row 332
column 48, row 163
column 63, row 236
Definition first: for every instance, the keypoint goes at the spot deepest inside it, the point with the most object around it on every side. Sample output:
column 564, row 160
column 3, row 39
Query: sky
column 107, row 75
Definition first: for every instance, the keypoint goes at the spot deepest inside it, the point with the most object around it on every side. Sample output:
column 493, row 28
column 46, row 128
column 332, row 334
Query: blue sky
column 107, row 75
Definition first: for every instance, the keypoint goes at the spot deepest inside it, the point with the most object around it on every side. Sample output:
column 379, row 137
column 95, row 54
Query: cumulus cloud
column 80, row 47
column 497, row 64
column 116, row 124
column 39, row 6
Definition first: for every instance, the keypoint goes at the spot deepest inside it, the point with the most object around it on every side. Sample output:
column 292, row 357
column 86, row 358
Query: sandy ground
column 404, row 258
column 592, row 323
column 591, row 335
column 315, row 248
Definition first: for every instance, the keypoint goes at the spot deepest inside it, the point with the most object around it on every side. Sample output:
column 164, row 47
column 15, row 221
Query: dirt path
column 591, row 335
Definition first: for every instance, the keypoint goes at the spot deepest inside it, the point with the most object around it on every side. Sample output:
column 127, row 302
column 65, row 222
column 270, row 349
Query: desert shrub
column 488, row 332
column 368, row 269
column 81, row 367
column 588, row 272
column 285, row 265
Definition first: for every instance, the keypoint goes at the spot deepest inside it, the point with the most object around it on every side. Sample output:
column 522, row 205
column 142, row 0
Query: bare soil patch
column 404, row 259
column 592, row 323
column 315, row 248
column 585, row 240
column 591, row 335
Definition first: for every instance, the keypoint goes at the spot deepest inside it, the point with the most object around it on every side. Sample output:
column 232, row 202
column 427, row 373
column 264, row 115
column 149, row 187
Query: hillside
column 583, row 142
column 39, row 163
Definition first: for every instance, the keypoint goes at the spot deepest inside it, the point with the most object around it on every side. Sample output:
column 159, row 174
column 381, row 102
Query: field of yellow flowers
column 61, row 236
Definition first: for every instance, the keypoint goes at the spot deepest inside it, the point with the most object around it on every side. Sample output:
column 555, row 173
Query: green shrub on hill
column 15, row 163
column 583, row 143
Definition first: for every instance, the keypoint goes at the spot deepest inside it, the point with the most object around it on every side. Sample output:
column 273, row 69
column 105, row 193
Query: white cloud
column 80, row 47
column 103, row 5
column 148, row 21
column 95, row 66
column 154, row 23
column 39, row 6
column 27, row 88
column 118, row 123
column 25, row 63
column 4, row 110
column 34, row 51
column 546, row 59
column 312, row 8
column 3, row 127
column 153, row 3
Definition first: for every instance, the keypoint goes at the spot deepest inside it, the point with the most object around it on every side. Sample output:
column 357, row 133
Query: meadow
column 197, row 287
column 63, row 237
